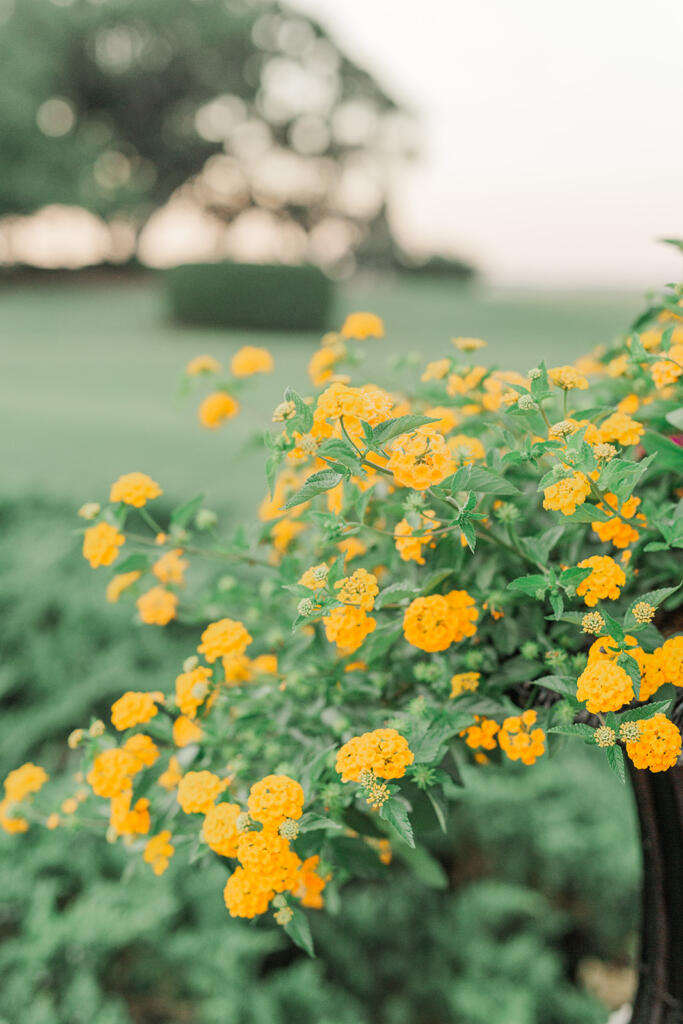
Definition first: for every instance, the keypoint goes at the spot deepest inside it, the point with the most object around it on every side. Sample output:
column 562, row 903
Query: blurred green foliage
column 279, row 297
column 87, row 941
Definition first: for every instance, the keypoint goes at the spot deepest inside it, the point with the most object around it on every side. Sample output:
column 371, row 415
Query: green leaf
column 299, row 931
column 535, row 585
column 483, row 481
column 181, row 515
column 615, row 759
column 395, row 813
column 134, row 563
column 316, row 484
column 387, row 431
column 573, row 576
column 576, row 729
column 304, row 412
column 613, row 627
column 540, row 386
column 669, row 455
column 632, row 670
column 315, row 822
column 342, row 451
column 425, row 867
column 438, row 810
column 675, row 418
column 272, row 464
column 565, row 685
column 621, row 476
column 588, row 514
column 395, row 592
column 653, row 597
column 645, row 711
column 428, row 740
column 379, row 642
column 468, row 532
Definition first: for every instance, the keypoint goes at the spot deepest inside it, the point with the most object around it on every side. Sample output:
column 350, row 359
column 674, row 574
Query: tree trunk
column 659, row 798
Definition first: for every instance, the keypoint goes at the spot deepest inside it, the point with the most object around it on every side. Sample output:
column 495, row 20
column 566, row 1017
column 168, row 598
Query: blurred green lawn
column 89, row 387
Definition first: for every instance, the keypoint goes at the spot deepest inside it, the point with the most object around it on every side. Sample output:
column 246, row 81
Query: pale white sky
column 551, row 133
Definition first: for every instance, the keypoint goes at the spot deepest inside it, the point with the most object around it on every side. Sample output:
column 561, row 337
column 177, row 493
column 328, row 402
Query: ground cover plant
column 421, row 589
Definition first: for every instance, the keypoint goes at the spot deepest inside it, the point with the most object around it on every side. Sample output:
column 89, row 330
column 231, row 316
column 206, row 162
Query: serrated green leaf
column 316, row 484
column 387, row 431
column 575, row 729
column 588, row 514
column 564, row 685
column 615, row 759
column 535, row 585
column 299, row 931
column 304, row 412
column 395, row 813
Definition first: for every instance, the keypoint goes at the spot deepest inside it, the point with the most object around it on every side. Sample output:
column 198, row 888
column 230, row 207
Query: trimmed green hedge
column 250, row 295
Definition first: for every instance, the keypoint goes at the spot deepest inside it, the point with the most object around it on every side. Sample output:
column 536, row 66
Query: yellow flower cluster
column 227, row 636
column 157, row 606
column 134, row 489
column 410, row 546
column 101, row 544
column 481, row 735
column 567, row 378
column 363, row 325
column 605, row 581
column 158, row 852
column 347, row 627
column 113, row 769
column 191, row 689
column 668, row 369
column 268, row 865
column 119, row 583
column 170, row 568
column 659, row 745
column 126, row 820
column 604, row 686
column 315, row 578
column 433, row 623
column 621, row 429
column 663, row 665
column 567, row 494
column 621, row 534
column 384, row 752
column 464, row 682
column 360, row 589
column 135, row 708
column 197, row 791
column 18, row 785
column 250, row 360
column 202, row 364
column 421, row 459
column 216, row 408
column 519, row 740
column 275, row 798
column 220, row 831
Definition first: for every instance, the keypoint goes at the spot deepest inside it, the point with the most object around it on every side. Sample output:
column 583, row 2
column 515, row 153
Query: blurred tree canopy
column 116, row 105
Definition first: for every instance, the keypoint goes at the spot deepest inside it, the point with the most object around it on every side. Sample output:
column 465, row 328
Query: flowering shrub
column 421, row 590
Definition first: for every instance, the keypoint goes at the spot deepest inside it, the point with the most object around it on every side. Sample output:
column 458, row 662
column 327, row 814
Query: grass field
column 89, row 386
